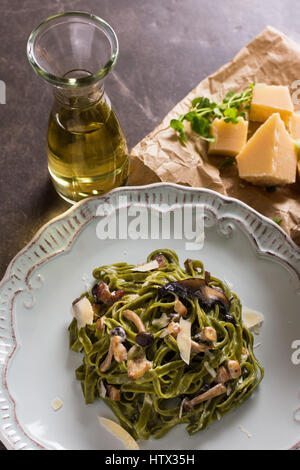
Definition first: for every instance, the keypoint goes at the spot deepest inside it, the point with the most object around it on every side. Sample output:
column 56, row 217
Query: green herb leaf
column 297, row 143
column 203, row 112
column 277, row 220
column 226, row 162
column 179, row 127
column 231, row 112
column 271, row 189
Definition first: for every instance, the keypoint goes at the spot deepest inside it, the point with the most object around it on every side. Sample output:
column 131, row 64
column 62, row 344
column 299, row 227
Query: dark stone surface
column 166, row 48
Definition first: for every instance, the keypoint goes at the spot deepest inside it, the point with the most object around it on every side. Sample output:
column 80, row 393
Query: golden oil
column 87, row 151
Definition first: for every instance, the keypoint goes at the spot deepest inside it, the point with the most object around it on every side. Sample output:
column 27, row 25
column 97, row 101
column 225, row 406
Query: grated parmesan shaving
column 102, row 390
column 56, row 404
column 83, row 312
column 181, row 409
column 162, row 321
column 164, row 333
column 252, row 319
column 147, row 266
column 210, row 370
column 184, row 340
column 248, row 434
column 119, row 432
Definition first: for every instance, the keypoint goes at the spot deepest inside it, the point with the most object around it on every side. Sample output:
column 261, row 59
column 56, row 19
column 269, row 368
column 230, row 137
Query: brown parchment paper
column 271, row 58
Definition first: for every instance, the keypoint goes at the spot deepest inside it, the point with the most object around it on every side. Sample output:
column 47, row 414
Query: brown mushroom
column 222, row 375
column 137, row 364
column 143, row 338
column 180, row 308
column 162, row 262
column 213, row 392
column 208, row 333
column 113, row 393
column 116, row 349
column 234, row 369
column 119, row 350
column 173, row 329
column 199, row 347
column 100, row 323
column 101, row 293
column 187, row 265
column 138, row 367
column 96, row 310
column 107, row 361
column 134, row 318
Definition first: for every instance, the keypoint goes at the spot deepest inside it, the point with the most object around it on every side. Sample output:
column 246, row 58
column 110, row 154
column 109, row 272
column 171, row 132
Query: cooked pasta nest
column 167, row 393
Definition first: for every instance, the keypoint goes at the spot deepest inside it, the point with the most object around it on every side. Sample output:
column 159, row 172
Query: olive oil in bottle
column 87, row 151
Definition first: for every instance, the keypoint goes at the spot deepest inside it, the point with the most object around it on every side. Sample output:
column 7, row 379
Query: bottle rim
column 70, row 82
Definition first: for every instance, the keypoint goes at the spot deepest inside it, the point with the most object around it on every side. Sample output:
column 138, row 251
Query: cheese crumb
column 248, row 434
column 56, row 404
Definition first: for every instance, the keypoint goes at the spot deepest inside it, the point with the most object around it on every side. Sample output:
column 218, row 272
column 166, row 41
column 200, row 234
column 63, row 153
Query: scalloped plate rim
column 66, row 214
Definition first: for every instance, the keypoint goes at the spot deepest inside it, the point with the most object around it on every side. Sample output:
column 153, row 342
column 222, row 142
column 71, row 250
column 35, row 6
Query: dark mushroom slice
column 144, row 339
column 230, row 319
column 187, row 263
column 162, row 262
column 197, row 288
column 101, row 293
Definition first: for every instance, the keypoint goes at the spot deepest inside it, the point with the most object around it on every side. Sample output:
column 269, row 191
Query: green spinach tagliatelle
column 152, row 404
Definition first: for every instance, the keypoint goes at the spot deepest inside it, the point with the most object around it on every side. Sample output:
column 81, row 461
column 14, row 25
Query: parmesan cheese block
column 294, row 126
column 229, row 138
column 270, row 99
column 270, row 156
column 295, row 133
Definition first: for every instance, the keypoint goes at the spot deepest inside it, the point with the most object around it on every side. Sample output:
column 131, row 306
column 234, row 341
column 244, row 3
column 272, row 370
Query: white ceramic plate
column 36, row 366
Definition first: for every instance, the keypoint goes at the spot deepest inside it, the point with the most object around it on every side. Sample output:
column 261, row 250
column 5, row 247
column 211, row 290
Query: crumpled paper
column 271, row 58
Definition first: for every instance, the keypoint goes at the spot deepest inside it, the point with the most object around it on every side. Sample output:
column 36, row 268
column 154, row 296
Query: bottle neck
column 79, row 97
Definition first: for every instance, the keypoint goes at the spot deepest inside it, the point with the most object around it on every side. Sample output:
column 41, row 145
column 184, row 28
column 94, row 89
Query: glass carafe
column 87, row 151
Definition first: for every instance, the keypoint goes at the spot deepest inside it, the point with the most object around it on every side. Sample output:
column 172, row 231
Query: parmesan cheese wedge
column 270, row 156
column 184, row 340
column 147, row 266
column 252, row 319
column 294, row 128
column 83, row 312
column 119, row 432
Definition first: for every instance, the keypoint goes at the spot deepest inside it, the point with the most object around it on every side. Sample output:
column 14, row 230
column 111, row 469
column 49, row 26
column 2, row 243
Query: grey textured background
column 166, row 48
